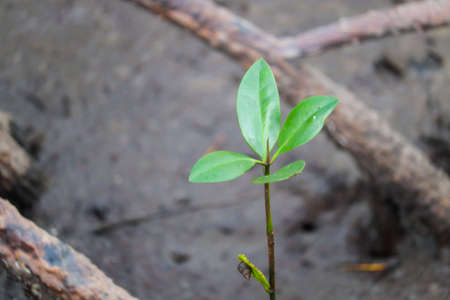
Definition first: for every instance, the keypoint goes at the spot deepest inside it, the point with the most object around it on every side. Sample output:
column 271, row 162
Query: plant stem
column 269, row 232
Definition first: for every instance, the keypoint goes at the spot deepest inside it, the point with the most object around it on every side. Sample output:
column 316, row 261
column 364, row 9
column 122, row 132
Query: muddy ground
column 128, row 102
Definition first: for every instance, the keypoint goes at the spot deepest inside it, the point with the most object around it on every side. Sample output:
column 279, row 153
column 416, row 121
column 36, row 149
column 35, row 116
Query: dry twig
column 372, row 25
column 158, row 215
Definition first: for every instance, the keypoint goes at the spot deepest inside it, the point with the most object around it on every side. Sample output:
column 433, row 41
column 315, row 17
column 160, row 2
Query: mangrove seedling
column 259, row 117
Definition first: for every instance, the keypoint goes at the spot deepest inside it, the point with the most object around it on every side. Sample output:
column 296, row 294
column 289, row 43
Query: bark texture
column 14, row 161
column 374, row 24
column 371, row 25
column 48, row 268
column 20, row 180
column 421, row 190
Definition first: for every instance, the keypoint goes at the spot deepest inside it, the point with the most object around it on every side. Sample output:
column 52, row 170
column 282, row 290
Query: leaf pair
column 259, row 116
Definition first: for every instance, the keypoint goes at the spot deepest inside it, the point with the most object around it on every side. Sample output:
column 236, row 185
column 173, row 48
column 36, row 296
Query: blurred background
column 119, row 104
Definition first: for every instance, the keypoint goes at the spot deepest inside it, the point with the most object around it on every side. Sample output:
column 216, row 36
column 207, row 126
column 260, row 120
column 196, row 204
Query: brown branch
column 199, row 17
column 14, row 161
column 20, row 181
column 421, row 190
column 46, row 267
column 418, row 187
column 372, row 25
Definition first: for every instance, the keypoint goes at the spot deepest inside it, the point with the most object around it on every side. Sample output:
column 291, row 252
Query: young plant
column 258, row 113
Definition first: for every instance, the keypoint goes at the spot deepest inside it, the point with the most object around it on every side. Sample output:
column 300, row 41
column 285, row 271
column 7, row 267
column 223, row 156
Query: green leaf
column 256, row 273
column 304, row 122
column 258, row 108
column 220, row 166
column 284, row 173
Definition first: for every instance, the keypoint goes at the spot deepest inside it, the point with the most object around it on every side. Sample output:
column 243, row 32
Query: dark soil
column 126, row 103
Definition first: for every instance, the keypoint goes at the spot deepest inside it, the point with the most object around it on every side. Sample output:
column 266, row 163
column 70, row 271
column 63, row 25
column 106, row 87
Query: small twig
column 134, row 221
column 408, row 17
column 384, row 266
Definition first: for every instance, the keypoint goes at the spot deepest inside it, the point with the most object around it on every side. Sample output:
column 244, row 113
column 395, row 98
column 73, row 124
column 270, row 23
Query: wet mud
column 118, row 105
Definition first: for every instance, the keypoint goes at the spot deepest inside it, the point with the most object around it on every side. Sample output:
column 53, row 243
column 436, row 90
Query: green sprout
column 259, row 116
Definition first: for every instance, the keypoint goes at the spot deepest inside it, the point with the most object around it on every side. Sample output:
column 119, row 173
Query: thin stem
column 269, row 230
column 275, row 155
column 261, row 163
